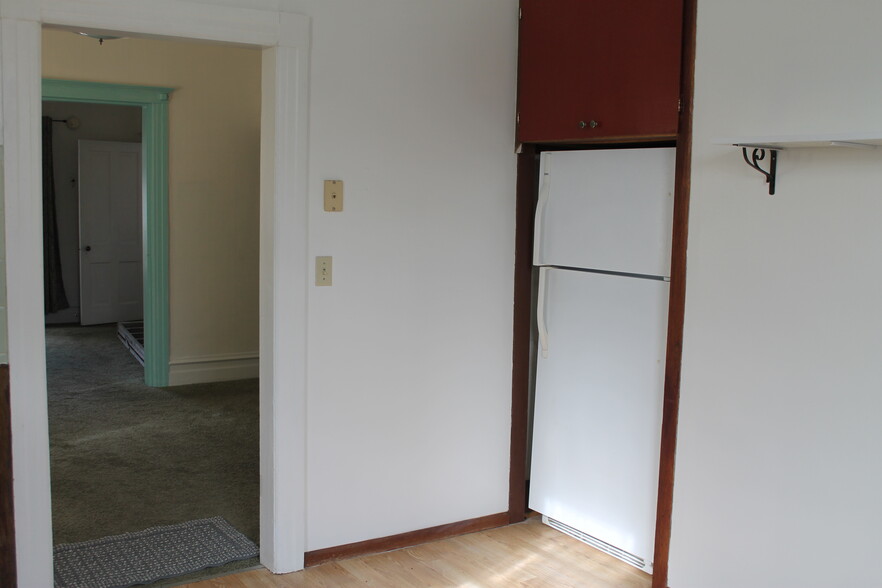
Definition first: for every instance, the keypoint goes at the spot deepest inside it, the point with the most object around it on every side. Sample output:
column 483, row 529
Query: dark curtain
column 53, row 286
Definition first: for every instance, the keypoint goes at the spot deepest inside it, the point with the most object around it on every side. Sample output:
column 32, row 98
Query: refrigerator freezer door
column 598, row 406
column 609, row 209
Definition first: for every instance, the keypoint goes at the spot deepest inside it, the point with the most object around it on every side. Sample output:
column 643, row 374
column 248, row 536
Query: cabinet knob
column 593, row 124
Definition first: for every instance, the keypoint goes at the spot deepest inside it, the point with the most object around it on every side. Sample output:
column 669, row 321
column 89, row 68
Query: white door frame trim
column 285, row 37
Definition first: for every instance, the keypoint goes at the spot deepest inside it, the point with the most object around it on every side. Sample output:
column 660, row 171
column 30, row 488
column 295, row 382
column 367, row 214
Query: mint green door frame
column 154, row 177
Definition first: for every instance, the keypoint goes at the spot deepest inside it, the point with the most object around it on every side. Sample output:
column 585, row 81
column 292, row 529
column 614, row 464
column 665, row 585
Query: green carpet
column 126, row 457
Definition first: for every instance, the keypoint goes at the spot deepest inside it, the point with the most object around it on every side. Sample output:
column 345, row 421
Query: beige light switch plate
column 323, row 270
column 333, row 195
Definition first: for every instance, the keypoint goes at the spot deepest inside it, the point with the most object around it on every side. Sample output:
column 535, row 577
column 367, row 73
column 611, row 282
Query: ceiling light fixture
column 101, row 38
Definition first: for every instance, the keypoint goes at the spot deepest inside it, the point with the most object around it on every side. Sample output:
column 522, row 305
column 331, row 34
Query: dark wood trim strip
column 7, row 519
column 520, row 362
column 677, row 303
column 319, row 556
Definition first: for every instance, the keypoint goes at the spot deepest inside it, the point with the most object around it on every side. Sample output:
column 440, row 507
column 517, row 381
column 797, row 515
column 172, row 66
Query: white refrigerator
column 603, row 249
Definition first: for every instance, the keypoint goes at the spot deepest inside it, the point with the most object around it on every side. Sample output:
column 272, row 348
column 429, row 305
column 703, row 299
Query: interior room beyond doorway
column 73, row 122
column 208, row 219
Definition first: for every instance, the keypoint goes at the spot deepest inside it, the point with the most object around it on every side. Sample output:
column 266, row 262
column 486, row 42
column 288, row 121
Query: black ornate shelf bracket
column 758, row 155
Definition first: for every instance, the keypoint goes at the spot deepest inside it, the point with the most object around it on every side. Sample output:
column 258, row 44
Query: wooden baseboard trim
column 213, row 368
column 319, row 556
column 7, row 525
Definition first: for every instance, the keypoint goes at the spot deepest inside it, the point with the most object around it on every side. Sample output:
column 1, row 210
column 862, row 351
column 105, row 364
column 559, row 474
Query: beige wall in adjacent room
column 214, row 134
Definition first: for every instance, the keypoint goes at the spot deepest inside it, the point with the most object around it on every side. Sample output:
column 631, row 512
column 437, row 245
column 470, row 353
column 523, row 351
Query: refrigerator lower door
column 598, row 408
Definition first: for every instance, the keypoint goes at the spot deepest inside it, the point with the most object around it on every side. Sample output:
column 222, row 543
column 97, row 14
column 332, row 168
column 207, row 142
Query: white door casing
column 111, row 271
column 285, row 37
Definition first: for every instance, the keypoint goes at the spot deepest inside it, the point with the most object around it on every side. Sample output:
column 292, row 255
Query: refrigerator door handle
column 544, row 194
column 540, row 313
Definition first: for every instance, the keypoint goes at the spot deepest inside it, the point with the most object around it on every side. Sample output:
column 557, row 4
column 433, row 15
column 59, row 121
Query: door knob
column 88, row 248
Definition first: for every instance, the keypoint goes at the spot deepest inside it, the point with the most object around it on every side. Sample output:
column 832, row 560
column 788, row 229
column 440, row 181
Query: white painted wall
column 412, row 105
column 778, row 475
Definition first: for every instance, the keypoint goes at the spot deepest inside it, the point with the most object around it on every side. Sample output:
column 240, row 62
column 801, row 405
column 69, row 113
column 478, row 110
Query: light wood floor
column 528, row 554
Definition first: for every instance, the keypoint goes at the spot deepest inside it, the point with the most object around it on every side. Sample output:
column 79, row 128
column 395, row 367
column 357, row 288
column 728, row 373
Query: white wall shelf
column 773, row 144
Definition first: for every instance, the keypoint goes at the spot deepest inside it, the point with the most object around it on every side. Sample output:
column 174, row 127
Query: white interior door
column 111, row 280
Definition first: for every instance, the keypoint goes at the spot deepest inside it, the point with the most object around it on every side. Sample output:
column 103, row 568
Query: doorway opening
column 284, row 41
column 152, row 215
column 92, row 187
column 164, row 455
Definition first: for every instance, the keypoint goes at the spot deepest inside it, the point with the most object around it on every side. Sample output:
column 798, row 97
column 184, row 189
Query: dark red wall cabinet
column 593, row 70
